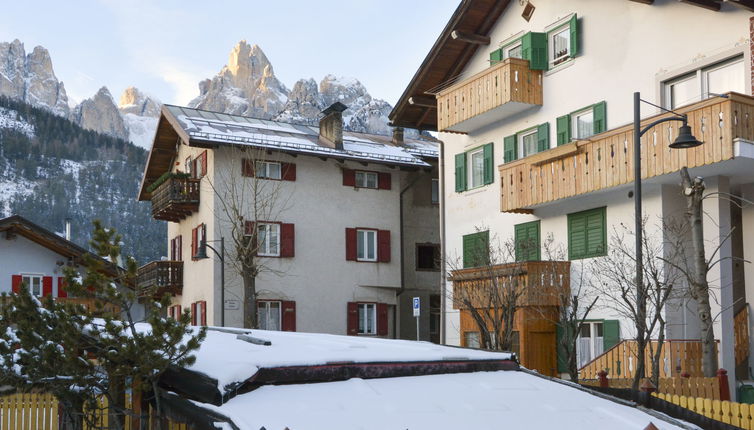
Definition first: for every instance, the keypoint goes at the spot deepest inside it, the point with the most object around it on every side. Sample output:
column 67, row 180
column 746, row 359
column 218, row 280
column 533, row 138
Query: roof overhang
column 447, row 59
column 168, row 136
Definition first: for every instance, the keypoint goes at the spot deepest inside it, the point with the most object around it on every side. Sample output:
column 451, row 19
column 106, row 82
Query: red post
column 722, row 376
column 603, row 379
column 685, row 375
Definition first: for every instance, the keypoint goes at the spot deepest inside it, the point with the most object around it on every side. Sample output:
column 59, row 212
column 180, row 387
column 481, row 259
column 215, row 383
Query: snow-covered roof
column 201, row 125
column 480, row 400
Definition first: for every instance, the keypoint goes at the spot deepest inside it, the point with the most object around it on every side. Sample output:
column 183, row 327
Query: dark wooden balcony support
column 160, row 277
column 175, row 199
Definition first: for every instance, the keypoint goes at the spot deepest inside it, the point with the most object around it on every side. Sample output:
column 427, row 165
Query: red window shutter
column 381, row 319
column 46, row 286
column 179, row 248
column 287, row 240
column 203, row 307
column 349, row 178
column 16, row 283
column 61, row 287
column 289, row 315
column 249, row 227
column 194, row 244
column 383, row 246
column 351, row 244
column 353, row 319
column 172, row 249
column 193, row 313
column 288, row 171
column 384, row 181
column 170, row 312
column 203, row 162
column 247, row 167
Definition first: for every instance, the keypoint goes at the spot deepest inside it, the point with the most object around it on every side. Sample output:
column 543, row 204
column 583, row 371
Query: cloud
column 183, row 82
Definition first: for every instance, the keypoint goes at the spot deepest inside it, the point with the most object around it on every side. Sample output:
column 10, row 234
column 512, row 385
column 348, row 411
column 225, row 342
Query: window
column 471, row 339
column 268, row 238
column 528, row 143
column 705, row 82
column 474, row 168
column 587, row 234
column 527, row 241
column 268, row 170
column 366, row 245
column 560, row 46
column 428, row 256
column 189, row 166
column 476, row 251
column 583, row 124
column 33, row 283
column 269, row 315
column 435, row 191
column 367, row 318
column 590, row 342
column 366, row 179
column 514, row 50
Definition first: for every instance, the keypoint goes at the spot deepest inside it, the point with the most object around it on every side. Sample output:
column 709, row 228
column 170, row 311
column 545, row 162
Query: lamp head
column 201, row 253
column 685, row 139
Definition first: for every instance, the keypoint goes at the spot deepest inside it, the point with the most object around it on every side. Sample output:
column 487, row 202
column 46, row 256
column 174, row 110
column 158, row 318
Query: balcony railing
column 175, row 199
column 540, row 283
column 500, row 91
column 606, row 160
column 160, row 277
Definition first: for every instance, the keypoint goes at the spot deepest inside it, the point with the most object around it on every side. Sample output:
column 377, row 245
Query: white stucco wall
column 20, row 256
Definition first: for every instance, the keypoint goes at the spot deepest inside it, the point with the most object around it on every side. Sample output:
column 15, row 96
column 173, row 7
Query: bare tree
column 617, row 284
column 248, row 189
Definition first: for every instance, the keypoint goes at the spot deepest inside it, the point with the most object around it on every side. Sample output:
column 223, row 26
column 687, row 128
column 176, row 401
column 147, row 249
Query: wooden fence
column 737, row 414
column 707, row 388
column 32, row 411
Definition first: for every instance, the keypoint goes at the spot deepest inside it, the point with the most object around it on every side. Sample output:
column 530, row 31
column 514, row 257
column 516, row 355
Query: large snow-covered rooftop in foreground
column 254, row 379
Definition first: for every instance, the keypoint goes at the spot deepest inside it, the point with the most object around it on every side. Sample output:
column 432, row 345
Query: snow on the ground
column 480, row 400
column 230, row 360
column 13, row 186
column 9, row 119
column 141, row 129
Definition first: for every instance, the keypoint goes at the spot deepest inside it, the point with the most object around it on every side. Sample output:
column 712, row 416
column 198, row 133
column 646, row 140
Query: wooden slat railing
column 737, row 414
column 708, row 388
column 741, row 334
column 677, row 357
column 175, row 199
column 159, row 277
column 605, row 160
column 508, row 82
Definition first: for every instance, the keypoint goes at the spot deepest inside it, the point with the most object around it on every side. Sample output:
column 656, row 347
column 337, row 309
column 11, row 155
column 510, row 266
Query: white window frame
column 512, row 46
column 361, row 239
column 265, row 325
column 551, row 59
column 480, row 152
column 363, row 327
column 701, row 74
column 264, row 246
column 28, row 278
column 435, row 192
column 575, row 123
column 262, row 170
column 362, row 179
column 520, row 142
column 596, row 343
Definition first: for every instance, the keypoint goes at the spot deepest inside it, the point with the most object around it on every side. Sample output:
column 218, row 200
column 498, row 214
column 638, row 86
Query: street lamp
column 684, row 140
column 201, row 254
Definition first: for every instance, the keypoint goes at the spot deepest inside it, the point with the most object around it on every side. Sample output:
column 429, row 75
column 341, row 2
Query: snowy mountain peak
column 133, row 101
column 100, row 113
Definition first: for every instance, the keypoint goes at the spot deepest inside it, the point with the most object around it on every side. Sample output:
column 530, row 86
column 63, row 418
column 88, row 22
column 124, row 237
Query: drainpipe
column 403, row 263
column 443, row 305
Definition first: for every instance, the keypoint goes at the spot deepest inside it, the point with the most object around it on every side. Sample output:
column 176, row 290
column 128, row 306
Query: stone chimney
column 331, row 126
column 398, row 136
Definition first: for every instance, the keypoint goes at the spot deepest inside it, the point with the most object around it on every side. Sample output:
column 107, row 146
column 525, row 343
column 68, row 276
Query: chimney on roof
column 331, row 126
column 398, row 136
column 68, row 229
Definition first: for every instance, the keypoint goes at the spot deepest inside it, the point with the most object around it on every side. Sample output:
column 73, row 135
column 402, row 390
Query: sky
column 165, row 47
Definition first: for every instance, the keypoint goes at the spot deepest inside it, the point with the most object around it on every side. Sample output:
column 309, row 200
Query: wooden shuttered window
column 383, row 245
column 194, row 244
column 61, row 287
column 194, row 313
column 610, row 334
column 587, row 234
column 203, row 309
column 527, row 239
column 496, row 56
column 534, row 49
column 574, row 33
column 543, row 137
column 352, row 319
column 563, row 129
column 381, row 319
column 288, row 312
column 489, row 159
column 563, row 124
column 349, row 178
column 46, row 286
column 476, row 249
column 287, row 240
column 247, row 167
column 16, row 283
column 384, row 181
column 287, row 170
column 510, row 148
column 599, row 115
column 461, row 172
column 350, row 244
column 202, row 161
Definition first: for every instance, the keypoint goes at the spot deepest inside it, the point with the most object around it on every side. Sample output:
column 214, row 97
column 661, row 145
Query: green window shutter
column 576, row 236
column 461, row 172
column 610, row 334
column 599, row 112
column 509, row 149
column 562, row 353
column 595, row 233
column 563, row 129
column 488, row 164
column 468, row 251
column 587, row 235
column 526, row 238
column 534, row 49
column 476, row 249
column 496, row 56
column 543, row 137
column 574, row 31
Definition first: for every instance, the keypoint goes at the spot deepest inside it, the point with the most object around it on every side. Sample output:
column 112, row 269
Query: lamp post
column 684, row 140
column 201, row 254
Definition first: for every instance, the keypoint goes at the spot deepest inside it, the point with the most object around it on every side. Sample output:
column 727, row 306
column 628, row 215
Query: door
column 542, row 356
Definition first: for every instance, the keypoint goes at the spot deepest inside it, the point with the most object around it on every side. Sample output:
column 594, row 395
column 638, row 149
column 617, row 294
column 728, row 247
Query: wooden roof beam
column 423, row 101
column 706, row 4
column 744, row 4
column 468, row 37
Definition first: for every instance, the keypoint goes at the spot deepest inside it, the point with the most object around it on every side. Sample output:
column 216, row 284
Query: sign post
column 417, row 312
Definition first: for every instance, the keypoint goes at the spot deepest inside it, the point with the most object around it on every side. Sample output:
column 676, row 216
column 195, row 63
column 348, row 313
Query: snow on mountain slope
column 10, row 119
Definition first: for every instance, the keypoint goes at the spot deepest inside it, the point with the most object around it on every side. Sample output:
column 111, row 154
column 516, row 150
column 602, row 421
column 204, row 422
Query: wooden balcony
column 540, row 282
column 504, row 89
column 175, row 199
column 160, row 277
column 606, row 160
